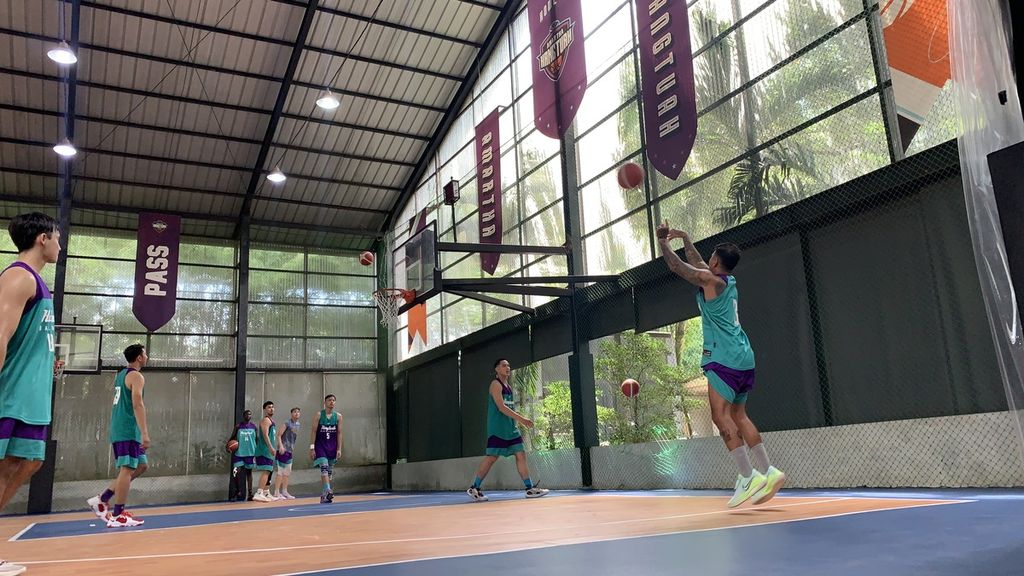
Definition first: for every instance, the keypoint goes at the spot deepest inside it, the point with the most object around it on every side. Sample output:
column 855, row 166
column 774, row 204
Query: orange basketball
column 630, row 388
column 366, row 258
column 631, row 175
column 232, row 445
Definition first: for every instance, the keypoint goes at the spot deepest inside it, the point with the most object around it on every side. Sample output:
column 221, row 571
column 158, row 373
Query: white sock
column 742, row 461
column 760, row 457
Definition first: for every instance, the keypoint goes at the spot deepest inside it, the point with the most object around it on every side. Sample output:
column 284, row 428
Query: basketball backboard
column 417, row 267
column 78, row 345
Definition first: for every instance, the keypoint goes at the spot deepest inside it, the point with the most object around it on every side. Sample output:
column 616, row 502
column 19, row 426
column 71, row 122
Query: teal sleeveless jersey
column 499, row 424
column 261, row 447
column 725, row 342
column 122, row 419
column 26, row 380
column 246, row 437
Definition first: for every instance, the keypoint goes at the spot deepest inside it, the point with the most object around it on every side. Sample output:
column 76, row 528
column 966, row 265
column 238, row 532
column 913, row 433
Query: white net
column 389, row 300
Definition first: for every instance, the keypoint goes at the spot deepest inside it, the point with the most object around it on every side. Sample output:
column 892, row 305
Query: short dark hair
column 728, row 255
column 296, row 408
column 330, row 396
column 267, row 403
column 132, row 353
column 499, row 361
column 25, row 228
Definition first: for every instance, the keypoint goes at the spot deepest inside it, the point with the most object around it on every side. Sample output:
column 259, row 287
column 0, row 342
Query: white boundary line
column 23, row 530
column 621, row 538
column 476, row 535
column 245, row 521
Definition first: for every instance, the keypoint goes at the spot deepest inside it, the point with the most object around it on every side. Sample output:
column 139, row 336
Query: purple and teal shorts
column 128, row 453
column 22, row 440
column 243, row 462
column 729, row 383
column 497, row 446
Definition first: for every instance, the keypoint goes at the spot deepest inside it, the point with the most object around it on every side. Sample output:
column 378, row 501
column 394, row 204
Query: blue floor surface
column 982, row 537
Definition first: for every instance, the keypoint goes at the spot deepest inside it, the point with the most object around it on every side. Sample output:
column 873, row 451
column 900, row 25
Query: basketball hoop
column 389, row 300
column 60, row 362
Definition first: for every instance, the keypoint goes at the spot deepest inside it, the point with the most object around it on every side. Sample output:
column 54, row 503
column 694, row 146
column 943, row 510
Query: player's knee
column 723, row 420
column 141, row 470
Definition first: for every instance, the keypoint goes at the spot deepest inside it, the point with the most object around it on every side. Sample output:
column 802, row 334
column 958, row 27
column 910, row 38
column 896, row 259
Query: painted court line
column 432, row 538
column 23, row 530
column 619, row 538
column 143, row 529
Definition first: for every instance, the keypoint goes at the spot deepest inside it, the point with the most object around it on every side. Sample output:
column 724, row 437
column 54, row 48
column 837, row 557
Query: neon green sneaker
column 747, row 487
column 775, row 480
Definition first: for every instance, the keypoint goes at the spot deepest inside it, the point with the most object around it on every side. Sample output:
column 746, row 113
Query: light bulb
column 328, row 101
column 63, row 55
column 65, row 149
column 277, row 176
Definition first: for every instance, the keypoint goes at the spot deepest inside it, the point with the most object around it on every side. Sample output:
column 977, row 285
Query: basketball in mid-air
column 366, row 258
column 630, row 388
column 631, row 175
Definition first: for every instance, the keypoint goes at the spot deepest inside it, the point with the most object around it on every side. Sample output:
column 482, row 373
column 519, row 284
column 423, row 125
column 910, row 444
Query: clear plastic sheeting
column 980, row 55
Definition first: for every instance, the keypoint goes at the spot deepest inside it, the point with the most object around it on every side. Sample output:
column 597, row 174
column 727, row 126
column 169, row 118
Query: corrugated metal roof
column 174, row 99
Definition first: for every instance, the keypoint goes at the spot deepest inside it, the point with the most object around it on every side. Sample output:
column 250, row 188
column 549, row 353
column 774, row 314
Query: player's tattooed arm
column 690, row 251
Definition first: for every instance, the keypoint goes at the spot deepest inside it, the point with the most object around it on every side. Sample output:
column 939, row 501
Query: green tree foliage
column 650, row 415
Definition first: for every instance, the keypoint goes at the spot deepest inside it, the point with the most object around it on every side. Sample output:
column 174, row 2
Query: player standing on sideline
column 325, row 448
column 286, row 438
column 503, row 438
column 244, row 458
column 266, row 447
column 27, row 356
column 728, row 362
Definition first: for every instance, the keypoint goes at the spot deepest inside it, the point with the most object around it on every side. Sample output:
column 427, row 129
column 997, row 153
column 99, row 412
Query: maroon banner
column 488, row 181
column 667, row 85
column 559, row 63
column 156, row 269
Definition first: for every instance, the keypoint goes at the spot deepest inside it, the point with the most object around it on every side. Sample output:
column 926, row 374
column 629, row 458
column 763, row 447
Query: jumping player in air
column 728, row 362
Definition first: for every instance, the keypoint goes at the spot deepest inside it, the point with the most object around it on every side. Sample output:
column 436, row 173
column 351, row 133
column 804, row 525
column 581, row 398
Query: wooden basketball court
column 358, row 531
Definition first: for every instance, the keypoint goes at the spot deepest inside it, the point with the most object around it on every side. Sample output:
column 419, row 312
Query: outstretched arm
column 694, row 275
column 692, row 256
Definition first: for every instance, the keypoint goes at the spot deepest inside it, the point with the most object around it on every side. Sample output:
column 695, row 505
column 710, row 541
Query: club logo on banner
column 560, row 70
column 156, row 270
column 488, row 178
column 667, row 84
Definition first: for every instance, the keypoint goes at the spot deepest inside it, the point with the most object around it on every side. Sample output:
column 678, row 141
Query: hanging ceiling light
column 63, row 54
column 277, row 176
column 328, row 101
column 65, row 148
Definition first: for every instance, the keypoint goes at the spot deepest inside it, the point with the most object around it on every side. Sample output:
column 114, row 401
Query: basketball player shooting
column 727, row 361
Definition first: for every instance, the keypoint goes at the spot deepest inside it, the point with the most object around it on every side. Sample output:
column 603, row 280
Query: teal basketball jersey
column 725, row 342
column 26, row 380
column 246, row 437
column 122, row 418
column 261, row 447
column 499, row 424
